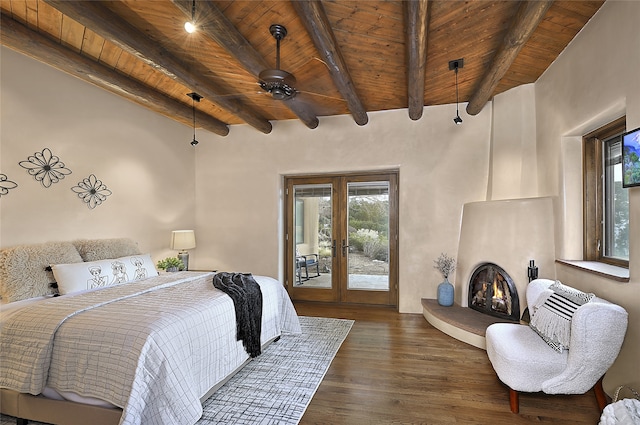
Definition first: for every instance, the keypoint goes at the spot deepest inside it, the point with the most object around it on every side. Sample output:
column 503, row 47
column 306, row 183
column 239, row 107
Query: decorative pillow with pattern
column 553, row 313
column 94, row 274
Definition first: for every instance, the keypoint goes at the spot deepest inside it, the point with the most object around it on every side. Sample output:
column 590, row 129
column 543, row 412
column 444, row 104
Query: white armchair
column 526, row 363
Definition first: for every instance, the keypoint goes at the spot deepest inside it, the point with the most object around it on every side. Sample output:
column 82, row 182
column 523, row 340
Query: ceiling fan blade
column 325, row 96
column 320, row 104
column 307, row 63
column 257, row 92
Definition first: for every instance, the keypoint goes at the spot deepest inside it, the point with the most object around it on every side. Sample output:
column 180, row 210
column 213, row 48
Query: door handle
column 333, row 249
column 344, row 247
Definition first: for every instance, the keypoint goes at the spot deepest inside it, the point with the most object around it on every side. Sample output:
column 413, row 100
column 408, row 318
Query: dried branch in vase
column 445, row 265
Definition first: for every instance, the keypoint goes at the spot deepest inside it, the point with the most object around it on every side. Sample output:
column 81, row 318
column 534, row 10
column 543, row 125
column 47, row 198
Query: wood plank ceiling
column 348, row 57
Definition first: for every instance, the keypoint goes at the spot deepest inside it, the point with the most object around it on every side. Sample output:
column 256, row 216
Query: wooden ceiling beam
column 416, row 18
column 97, row 17
column 525, row 22
column 222, row 31
column 315, row 20
column 18, row 37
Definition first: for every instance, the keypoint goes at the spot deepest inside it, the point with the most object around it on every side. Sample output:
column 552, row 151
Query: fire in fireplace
column 491, row 291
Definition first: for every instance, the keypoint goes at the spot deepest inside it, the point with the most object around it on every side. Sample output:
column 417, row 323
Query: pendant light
column 190, row 26
column 195, row 97
column 455, row 65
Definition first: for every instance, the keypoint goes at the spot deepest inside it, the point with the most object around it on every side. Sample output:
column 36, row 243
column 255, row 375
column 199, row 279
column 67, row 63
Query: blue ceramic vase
column 445, row 293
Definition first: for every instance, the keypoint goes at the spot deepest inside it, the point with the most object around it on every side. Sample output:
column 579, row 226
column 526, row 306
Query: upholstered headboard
column 25, row 271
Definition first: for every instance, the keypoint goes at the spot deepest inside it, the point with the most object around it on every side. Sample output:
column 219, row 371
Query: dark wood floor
column 398, row 369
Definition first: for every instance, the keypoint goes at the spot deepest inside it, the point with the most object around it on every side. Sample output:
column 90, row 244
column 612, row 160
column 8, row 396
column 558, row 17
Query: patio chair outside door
column 304, row 263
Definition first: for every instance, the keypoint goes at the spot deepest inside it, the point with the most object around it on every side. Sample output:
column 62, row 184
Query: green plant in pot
column 171, row 264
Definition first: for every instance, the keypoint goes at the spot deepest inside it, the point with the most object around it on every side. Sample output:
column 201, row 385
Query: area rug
column 277, row 386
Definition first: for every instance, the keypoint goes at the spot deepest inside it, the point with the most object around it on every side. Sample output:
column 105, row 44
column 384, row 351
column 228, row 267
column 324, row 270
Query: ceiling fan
column 281, row 85
column 277, row 82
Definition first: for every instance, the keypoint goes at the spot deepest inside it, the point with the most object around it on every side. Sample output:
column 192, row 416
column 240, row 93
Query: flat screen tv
column 631, row 158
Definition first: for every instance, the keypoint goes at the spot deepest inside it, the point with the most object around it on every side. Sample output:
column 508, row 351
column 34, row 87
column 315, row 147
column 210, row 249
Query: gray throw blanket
column 247, row 299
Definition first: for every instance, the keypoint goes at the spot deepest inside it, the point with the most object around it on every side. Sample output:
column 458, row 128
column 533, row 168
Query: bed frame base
column 37, row 408
column 26, row 407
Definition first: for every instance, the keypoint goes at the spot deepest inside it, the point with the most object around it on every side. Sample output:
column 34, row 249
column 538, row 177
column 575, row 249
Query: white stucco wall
column 513, row 145
column 594, row 81
column 233, row 200
column 145, row 159
column 442, row 167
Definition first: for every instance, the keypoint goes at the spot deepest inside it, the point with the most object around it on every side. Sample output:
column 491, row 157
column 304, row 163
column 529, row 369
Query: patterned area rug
column 277, row 386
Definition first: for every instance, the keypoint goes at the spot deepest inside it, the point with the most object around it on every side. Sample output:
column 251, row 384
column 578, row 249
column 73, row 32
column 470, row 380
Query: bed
column 148, row 351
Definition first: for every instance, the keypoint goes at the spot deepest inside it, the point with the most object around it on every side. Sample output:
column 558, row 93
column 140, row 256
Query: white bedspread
column 153, row 348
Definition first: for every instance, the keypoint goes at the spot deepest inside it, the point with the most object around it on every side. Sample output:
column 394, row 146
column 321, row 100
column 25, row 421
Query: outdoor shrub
column 324, row 252
column 376, row 249
column 381, row 228
column 370, row 243
column 358, row 239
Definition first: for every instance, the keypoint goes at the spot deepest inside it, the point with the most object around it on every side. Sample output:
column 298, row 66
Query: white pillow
column 94, row 274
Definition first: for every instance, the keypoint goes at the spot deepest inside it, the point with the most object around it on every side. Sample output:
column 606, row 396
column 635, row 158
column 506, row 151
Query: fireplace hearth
column 491, row 291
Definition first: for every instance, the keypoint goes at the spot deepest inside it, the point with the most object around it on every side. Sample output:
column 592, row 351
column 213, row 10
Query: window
column 606, row 202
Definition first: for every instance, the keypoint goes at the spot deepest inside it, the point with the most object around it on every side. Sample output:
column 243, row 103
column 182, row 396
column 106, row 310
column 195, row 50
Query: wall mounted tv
column 631, row 158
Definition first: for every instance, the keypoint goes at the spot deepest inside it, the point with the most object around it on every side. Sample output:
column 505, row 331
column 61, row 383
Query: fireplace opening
column 491, row 291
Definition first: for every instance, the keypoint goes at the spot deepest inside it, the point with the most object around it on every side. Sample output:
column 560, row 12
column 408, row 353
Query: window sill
column 608, row 271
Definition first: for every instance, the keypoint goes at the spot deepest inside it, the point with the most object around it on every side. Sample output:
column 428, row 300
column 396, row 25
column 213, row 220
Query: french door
column 341, row 238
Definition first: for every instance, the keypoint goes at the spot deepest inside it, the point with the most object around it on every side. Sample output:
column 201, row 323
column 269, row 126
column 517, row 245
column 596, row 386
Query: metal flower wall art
column 92, row 191
column 45, row 167
column 6, row 185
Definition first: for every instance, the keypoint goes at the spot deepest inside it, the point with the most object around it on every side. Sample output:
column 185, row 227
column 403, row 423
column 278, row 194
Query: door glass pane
column 312, row 235
column 368, row 235
column 616, row 212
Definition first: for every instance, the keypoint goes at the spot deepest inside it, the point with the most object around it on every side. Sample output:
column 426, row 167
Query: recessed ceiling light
column 190, row 27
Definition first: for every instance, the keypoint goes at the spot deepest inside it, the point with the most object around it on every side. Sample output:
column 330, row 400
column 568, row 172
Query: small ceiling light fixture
column 455, row 65
column 190, row 26
column 195, row 97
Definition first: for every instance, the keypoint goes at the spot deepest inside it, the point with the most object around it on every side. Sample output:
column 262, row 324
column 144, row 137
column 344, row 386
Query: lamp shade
column 183, row 239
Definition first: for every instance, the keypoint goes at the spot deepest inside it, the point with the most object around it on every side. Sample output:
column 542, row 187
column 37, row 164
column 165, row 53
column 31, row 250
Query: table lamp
column 182, row 240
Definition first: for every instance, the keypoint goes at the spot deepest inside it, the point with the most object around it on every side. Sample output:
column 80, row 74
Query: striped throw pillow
column 552, row 319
